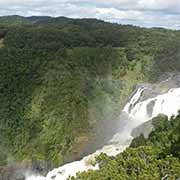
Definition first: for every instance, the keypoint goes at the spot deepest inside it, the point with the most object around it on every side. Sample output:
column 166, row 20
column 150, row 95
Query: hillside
column 63, row 81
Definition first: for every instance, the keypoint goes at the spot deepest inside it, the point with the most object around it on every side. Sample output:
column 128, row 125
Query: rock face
column 19, row 171
column 144, row 129
column 166, row 81
column 2, row 34
column 11, row 173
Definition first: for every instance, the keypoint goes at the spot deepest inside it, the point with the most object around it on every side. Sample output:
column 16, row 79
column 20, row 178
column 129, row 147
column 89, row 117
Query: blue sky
column 149, row 13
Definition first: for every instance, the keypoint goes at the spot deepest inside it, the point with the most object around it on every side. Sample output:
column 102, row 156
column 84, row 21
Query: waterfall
column 134, row 114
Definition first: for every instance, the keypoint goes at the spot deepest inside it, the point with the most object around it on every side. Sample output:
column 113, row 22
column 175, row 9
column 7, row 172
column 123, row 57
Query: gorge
column 134, row 114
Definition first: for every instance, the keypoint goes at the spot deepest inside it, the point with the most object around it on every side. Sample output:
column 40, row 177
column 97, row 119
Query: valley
column 64, row 83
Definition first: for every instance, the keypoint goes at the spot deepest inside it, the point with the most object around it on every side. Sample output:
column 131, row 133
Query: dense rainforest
column 64, row 81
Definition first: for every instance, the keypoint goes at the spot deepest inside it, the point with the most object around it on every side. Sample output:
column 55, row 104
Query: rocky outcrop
column 19, row 171
column 2, row 34
column 12, row 173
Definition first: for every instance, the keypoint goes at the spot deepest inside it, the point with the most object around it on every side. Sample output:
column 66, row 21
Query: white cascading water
column 136, row 113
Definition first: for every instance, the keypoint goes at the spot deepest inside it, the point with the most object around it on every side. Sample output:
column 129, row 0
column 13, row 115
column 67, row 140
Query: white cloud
column 165, row 13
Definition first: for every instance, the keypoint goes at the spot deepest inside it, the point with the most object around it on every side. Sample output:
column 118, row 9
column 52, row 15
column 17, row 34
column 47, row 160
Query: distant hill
column 43, row 20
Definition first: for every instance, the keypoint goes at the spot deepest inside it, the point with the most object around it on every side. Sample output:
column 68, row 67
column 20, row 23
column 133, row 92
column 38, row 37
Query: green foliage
column 12, row 21
column 62, row 79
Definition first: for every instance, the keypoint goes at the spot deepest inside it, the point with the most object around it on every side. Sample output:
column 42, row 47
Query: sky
column 148, row 13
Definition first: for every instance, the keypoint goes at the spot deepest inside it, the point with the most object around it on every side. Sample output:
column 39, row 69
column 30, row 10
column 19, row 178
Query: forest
column 62, row 80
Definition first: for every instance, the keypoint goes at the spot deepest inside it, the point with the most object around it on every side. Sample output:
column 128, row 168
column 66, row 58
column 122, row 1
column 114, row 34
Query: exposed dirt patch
column 1, row 43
